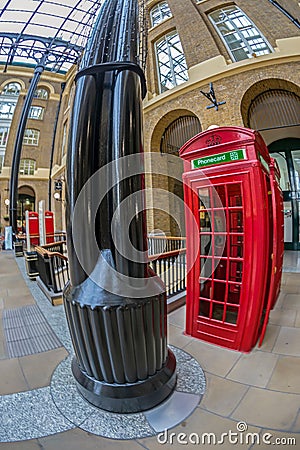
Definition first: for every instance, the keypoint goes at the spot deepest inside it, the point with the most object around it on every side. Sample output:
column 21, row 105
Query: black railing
column 56, row 237
column 170, row 265
column 53, row 266
column 171, row 268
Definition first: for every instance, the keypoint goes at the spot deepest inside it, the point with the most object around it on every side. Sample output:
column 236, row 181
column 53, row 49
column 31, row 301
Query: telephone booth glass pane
column 222, row 249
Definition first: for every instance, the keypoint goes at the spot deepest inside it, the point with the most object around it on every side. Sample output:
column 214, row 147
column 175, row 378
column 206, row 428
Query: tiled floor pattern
column 260, row 389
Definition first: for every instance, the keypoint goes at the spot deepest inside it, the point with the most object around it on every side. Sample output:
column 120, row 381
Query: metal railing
column 53, row 266
column 171, row 268
column 56, row 237
column 165, row 244
column 170, row 265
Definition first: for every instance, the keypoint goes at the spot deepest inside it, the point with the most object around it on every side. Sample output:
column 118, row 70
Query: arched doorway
column 25, row 202
column 275, row 114
column 287, row 154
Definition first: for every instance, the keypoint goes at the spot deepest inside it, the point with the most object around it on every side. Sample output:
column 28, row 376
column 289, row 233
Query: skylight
column 52, row 33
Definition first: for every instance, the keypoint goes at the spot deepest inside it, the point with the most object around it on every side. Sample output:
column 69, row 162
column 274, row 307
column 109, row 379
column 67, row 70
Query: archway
column 287, row 154
column 171, row 132
column 25, row 202
column 272, row 107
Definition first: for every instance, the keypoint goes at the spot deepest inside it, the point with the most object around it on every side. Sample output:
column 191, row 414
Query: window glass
column 41, row 93
column 11, row 89
column 171, row 63
column 36, row 112
column 27, row 167
column 3, row 135
column 7, row 110
column 159, row 12
column 296, row 161
column 31, row 137
column 284, row 175
column 64, row 139
column 240, row 35
column 1, row 162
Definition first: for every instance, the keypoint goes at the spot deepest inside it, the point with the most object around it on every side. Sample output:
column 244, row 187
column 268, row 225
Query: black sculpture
column 115, row 305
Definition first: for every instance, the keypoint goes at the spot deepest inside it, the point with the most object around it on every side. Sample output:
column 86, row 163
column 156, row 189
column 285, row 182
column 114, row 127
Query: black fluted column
column 115, row 306
column 13, row 186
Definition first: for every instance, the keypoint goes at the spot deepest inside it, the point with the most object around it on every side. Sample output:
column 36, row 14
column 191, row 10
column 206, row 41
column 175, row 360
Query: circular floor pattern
column 181, row 403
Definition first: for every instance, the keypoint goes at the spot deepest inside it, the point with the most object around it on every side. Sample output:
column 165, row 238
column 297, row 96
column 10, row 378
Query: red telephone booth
column 49, row 226
column 32, row 227
column 231, row 188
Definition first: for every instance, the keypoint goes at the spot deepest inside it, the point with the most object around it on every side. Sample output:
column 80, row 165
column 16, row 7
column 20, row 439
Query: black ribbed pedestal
column 122, row 362
column 128, row 397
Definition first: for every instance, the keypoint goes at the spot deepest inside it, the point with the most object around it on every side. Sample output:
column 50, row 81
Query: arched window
column 171, row 63
column 178, row 133
column 273, row 109
column 11, row 89
column 241, row 37
column 27, row 166
column 159, row 13
column 41, row 93
column 31, row 137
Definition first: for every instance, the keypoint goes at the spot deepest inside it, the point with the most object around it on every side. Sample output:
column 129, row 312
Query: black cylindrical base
column 18, row 246
column 128, row 397
column 31, row 261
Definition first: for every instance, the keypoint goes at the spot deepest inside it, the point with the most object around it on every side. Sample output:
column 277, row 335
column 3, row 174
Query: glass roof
column 52, row 33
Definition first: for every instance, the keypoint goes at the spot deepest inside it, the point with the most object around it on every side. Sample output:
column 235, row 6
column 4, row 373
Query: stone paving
column 253, row 398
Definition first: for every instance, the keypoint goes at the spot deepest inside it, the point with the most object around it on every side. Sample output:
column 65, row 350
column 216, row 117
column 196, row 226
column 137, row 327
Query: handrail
column 44, row 251
column 166, row 254
column 168, row 238
column 51, row 244
column 170, row 266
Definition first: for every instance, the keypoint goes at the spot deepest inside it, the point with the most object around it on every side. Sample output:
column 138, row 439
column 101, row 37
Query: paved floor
column 259, row 391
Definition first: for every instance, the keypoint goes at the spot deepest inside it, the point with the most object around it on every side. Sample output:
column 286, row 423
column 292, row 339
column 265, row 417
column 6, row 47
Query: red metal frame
column 230, row 305
column 49, row 226
column 33, row 220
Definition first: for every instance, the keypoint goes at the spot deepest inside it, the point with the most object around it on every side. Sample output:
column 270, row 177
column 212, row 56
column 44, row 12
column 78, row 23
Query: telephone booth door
column 32, row 227
column 230, row 271
column 49, row 226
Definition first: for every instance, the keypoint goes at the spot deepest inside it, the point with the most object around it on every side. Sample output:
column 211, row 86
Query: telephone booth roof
column 218, row 139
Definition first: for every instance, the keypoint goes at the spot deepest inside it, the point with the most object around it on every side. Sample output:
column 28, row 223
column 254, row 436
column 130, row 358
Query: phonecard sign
column 219, row 158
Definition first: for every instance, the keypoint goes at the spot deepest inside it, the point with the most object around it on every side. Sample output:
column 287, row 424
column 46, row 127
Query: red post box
column 49, row 226
column 234, row 236
column 32, row 227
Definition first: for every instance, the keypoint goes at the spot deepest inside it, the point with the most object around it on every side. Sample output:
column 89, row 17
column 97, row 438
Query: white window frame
column 36, row 113
column 8, row 114
column 243, row 30
column 1, row 162
column 64, row 139
column 31, row 137
column 162, row 12
column 175, row 77
column 27, row 166
column 3, row 136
